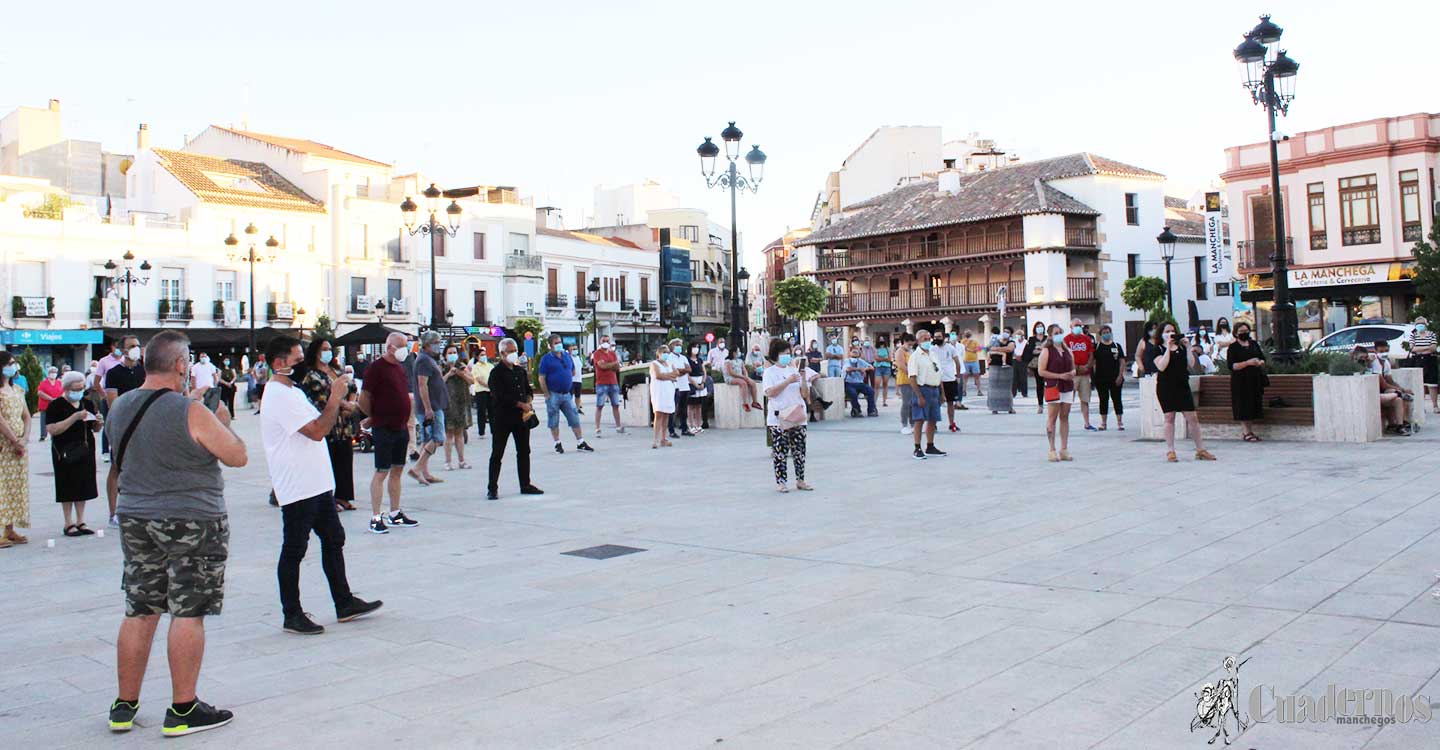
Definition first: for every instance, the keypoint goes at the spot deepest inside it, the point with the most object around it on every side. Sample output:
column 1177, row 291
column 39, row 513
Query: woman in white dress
column 662, row 394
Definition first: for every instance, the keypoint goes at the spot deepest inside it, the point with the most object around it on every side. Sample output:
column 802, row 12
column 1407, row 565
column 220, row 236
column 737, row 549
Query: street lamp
column 592, row 295
column 252, row 257
column 743, row 279
column 1270, row 79
column 450, row 228
column 1167, row 251
column 127, row 277
column 380, row 311
column 731, row 180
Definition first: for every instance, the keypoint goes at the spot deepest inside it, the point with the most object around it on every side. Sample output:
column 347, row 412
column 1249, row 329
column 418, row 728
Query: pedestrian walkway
column 988, row 599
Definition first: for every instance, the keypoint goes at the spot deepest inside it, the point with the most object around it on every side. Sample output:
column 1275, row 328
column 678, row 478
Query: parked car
column 1366, row 335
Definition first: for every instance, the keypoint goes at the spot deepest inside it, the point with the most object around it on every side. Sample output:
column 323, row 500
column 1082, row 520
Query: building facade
column 1355, row 198
column 627, row 295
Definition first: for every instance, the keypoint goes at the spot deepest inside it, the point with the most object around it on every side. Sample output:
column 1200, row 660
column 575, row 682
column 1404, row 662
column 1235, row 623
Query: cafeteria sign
column 1215, row 236
column 1358, row 273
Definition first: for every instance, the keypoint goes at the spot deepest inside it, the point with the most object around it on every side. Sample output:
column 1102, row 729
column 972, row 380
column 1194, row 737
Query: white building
column 628, row 288
column 630, row 204
column 32, row 144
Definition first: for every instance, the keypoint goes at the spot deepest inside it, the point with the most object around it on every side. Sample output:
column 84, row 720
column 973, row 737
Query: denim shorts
column 972, row 368
column 555, row 403
column 604, row 392
column 930, row 412
column 435, row 433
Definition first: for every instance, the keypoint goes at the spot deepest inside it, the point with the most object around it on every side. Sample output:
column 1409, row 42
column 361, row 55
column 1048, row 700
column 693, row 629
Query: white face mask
column 604, row 344
column 512, row 358
column 401, row 354
column 134, row 353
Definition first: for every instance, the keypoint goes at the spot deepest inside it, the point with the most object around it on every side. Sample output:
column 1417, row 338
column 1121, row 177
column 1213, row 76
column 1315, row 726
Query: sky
column 560, row 96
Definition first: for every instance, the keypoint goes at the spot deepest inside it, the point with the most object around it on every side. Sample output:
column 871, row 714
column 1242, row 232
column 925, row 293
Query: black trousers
column 502, row 432
column 342, row 462
column 680, row 420
column 1019, row 380
column 227, row 396
column 1039, row 386
column 1108, row 391
column 482, row 411
column 300, row 518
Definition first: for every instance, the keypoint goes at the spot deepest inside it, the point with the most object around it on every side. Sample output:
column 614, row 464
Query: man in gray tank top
column 173, row 530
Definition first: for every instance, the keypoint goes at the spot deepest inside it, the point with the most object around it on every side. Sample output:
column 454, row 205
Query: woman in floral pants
column 785, row 387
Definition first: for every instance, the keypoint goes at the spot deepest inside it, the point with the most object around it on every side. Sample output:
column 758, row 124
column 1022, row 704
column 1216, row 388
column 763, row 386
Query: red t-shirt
column 605, row 377
column 1081, row 347
column 48, row 391
column 386, row 383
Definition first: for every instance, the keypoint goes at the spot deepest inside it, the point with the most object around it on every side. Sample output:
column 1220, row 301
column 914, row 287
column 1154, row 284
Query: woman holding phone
column 1172, row 388
column 321, row 370
column 786, row 387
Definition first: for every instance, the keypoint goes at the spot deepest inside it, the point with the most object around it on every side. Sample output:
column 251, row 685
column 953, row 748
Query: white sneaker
column 620, row 430
column 905, row 430
column 114, row 521
column 597, row 432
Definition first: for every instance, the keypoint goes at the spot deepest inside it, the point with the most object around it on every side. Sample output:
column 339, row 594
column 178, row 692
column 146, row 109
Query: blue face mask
column 1077, row 330
column 325, row 357
column 452, row 358
column 227, row 363
column 784, row 360
column 10, row 371
column 1058, row 339
column 1420, row 327
column 115, row 351
column 74, row 396
column 925, row 345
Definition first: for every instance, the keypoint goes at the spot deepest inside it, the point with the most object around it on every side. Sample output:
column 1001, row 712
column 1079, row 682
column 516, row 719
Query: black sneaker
column 531, row 489
column 200, row 717
column 919, row 454
column 492, row 494
column 398, row 519
column 414, row 455
column 122, row 715
column 559, row 448
column 931, row 450
column 357, row 609
column 584, row 446
column 300, row 624
column 377, row 525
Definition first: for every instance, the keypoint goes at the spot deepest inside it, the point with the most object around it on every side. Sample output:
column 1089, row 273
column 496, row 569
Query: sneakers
column 200, row 717
column 357, row 609
column 906, row 430
column 931, row 450
column 300, row 624
column 531, row 489
column 954, row 427
column 559, row 448
column 584, row 446
column 122, row 715
column 492, row 494
column 919, row 455
column 620, row 430
column 400, row 520
column 597, row 432
column 114, row 521
column 1090, row 428
column 377, row 525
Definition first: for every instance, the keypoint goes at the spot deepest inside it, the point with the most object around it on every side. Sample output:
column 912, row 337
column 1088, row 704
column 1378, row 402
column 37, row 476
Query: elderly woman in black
column 71, row 422
column 1247, row 381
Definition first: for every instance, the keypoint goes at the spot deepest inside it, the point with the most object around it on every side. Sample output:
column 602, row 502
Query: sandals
column 1120, row 427
column 1065, row 456
column 84, row 531
column 14, row 538
column 1170, row 457
column 1204, row 455
column 804, row 487
column 1053, row 458
column 448, row 467
column 4, row 543
column 71, row 530
column 746, row 407
column 418, row 478
column 463, row 465
column 344, row 505
column 1250, row 437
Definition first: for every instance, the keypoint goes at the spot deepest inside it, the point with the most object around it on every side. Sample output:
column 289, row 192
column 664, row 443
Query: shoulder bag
column 74, row 453
column 130, row 431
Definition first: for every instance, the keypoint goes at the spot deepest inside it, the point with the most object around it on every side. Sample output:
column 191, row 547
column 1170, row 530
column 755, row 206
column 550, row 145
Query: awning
column 237, row 339
column 370, row 333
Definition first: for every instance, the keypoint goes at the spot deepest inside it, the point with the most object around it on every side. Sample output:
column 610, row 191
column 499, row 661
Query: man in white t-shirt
column 677, row 359
column 203, row 375
column 947, row 354
column 715, row 360
column 300, row 475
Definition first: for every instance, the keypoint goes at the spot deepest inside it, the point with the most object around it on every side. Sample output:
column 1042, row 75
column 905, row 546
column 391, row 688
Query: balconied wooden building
column 936, row 254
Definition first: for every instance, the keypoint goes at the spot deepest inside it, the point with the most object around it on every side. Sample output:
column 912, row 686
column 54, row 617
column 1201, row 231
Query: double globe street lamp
column 127, row 276
column 731, row 180
column 1270, row 79
column 252, row 257
column 451, row 227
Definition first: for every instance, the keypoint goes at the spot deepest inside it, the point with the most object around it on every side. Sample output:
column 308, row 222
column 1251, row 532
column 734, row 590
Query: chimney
column 54, row 105
column 950, row 181
column 142, row 138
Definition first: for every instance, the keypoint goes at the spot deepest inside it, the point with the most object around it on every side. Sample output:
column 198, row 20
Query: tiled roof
column 303, row 146
column 1173, row 202
column 591, row 238
column 275, row 192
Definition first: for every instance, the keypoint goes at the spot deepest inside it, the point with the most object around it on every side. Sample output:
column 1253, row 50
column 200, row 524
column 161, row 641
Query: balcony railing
column 954, row 247
column 1411, row 233
column 279, row 311
column 1319, row 241
column 1254, row 255
column 647, row 305
column 523, row 262
column 556, row 301
column 581, row 303
column 32, row 307
column 168, row 309
column 627, row 304
column 1366, row 236
column 1081, row 288
column 1079, row 236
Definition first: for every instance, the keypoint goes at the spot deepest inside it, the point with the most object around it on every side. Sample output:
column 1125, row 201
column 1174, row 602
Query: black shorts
column 951, row 389
column 390, row 447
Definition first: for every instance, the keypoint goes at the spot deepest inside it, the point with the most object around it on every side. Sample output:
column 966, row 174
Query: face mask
column 205, row 360
column 1420, row 327
column 1077, row 330
column 327, row 356
column 484, row 358
column 925, row 345
column 1243, row 335
column 401, row 354
column 832, row 342
column 1106, row 337
column 10, row 371
column 1004, row 337
column 664, row 352
column 452, row 358
column 784, row 360
column 115, row 351
column 227, row 363
column 512, row 358
column 1058, row 339
column 134, row 352
column 74, row 396
column 694, row 350
column 720, row 345
column 604, row 344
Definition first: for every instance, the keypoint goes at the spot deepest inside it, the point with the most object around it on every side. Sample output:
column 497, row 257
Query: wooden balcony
column 956, row 297
column 1079, row 236
column 1081, row 289
column 930, row 248
column 1253, row 256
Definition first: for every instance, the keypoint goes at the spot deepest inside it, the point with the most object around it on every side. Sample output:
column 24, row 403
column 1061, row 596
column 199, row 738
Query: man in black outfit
column 510, row 406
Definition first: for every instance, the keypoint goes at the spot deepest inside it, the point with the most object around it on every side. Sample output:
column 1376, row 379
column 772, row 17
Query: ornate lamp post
column 408, row 211
column 1167, row 241
column 592, row 295
column 125, row 275
column 1270, row 79
column 731, row 180
column 742, row 279
column 252, row 257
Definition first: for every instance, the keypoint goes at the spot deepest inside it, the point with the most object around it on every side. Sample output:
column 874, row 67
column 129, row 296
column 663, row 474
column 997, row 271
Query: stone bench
column 1346, row 409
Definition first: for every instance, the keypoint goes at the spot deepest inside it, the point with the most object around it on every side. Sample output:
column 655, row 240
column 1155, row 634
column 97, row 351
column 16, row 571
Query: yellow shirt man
column 480, row 370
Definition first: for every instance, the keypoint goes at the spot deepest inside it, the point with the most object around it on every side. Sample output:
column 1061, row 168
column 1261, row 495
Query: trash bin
column 998, row 397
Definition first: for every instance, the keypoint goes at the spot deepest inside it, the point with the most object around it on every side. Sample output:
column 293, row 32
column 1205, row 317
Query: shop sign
column 1216, row 254
column 48, row 337
column 1355, row 273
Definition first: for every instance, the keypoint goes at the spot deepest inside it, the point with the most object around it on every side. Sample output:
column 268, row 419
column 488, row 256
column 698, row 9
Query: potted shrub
column 189, row 309
column 217, row 310
column 97, row 305
column 164, row 309
column 17, row 306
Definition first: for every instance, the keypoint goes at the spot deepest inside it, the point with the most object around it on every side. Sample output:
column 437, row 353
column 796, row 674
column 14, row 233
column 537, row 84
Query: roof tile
column 275, row 192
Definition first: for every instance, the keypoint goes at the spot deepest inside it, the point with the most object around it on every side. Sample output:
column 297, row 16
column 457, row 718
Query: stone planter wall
column 1347, row 410
column 730, row 413
column 635, row 407
column 1413, row 378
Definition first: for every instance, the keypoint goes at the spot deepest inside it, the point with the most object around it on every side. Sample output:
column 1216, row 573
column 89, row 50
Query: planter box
column 635, row 406
column 730, row 413
column 1347, row 410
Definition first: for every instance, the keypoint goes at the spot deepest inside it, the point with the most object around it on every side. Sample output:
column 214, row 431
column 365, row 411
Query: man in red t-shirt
column 385, row 399
column 1082, row 348
column 607, row 383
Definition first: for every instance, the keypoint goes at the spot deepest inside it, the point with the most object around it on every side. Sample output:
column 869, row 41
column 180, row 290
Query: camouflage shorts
column 174, row 566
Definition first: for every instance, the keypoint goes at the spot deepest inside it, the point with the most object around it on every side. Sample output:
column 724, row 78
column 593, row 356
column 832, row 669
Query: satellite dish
column 125, row 165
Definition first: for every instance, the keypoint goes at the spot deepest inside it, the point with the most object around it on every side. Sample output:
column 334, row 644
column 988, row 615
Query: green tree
column 533, row 326
column 800, row 298
column 1144, row 293
column 34, row 372
column 1427, row 276
column 324, row 327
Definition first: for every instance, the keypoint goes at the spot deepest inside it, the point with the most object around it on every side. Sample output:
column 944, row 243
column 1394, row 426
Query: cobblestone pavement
column 985, row 600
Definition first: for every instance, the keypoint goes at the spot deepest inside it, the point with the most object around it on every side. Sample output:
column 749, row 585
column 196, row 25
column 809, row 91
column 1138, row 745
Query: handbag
column 1052, row 394
column 795, row 416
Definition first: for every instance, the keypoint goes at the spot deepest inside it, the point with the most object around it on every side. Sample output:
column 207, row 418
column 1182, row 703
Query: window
column 689, row 232
column 1359, row 211
column 172, row 286
column 580, row 297
column 479, row 316
column 225, row 285
column 360, row 242
column 1315, row 192
column 394, row 290
column 644, row 290
column 479, row 244
column 519, row 243
column 357, row 291
column 1410, row 205
column 1132, row 264
column 1132, row 209
column 394, row 249
column 1340, row 340
column 894, row 288
column 1202, row 290
column 552, row 281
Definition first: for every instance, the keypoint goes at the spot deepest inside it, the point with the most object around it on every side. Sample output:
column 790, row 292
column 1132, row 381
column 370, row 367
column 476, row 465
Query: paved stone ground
column 985, row 600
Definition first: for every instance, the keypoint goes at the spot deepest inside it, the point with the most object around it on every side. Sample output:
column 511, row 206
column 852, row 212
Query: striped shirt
column 1422, row 339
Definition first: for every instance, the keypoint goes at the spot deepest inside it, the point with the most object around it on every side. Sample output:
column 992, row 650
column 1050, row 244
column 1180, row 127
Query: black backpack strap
column 130, row 431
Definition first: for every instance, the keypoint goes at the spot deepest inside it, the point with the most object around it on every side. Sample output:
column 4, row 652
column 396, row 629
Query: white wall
column 887, row 157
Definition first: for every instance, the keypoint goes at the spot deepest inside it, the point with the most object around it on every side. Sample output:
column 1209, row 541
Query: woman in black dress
column 321, row 368
column 1247, row 381
column 1172, row 388
column 72, row 424
column 1147, row 349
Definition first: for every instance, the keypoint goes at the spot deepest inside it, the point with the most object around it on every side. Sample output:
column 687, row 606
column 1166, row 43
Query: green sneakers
column 200, row 717
column 122, row 715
